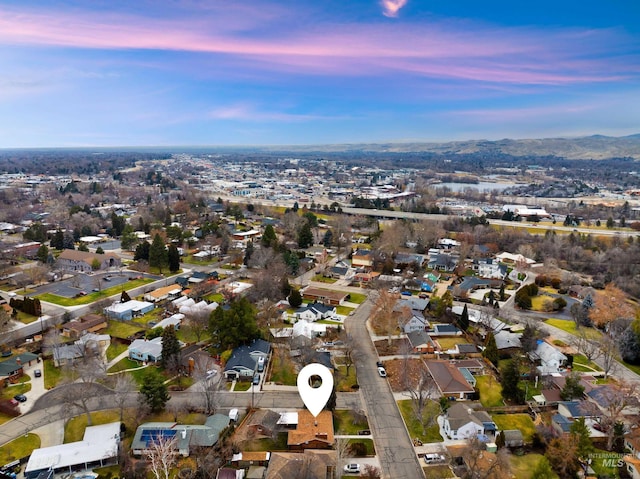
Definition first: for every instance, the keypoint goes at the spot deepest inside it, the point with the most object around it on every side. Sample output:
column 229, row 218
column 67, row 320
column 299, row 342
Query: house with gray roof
column 421, row 342
column 11, row 369
column 462, row 421
column 244, row 359
column 146, row 350
column 550, row 359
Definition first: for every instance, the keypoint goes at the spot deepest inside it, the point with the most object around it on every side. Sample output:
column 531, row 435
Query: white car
column 382, row 372
column 352, row 468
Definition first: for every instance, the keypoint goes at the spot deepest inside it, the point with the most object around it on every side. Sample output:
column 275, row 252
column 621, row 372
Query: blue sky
column 245, row 72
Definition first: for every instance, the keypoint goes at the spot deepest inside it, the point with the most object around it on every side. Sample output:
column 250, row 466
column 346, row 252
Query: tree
column 383, row 318
column 572, row 389
column 609, row 305
column 610, row 222
column 584, row 446
column 501, row 440
column 43, row 254
column 585, row 344
column 154, row 391
column 463, row 322
column 83, row 247
column 57, row 241
column 234, row 326
column 95, row 264
column 483, row 465
column 580, row 314
column 173, row 258
column 207, row 380
column 170, row 348
column 370, row 472
column 562, row 454
column 158, row 255
column 629, row 343
column 510, row 382
column 491, row 349
column 542, row 470
column 162, row 456
column 305, row 236
column 269, row 238
column 295, row 298
column 529, row 338
column 99, row 250
column 327, row 240
column 248, row 252
column 142, row 251
column 608, row 354
column 125, row 390
column 128, row 237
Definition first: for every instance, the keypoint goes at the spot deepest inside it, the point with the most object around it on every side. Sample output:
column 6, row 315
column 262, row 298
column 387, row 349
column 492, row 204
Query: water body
column 481, row 186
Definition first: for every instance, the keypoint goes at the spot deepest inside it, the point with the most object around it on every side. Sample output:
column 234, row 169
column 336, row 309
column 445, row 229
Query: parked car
column 352, row 468
column 261, row 364
column 256, row 379
column 379, row 364
column 432, row 458
column 37, row 373
column 382, row 372
column 20, row 397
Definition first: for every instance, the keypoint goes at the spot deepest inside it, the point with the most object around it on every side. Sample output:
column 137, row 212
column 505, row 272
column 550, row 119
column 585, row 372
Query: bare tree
column 585, row 344
column 125, row 391
column 208, row 382
column 384, row 318
column 421, row 389
column 348, row 351
column 162, row 456
column 483, row 465
column 197, row 322
column 608, row 355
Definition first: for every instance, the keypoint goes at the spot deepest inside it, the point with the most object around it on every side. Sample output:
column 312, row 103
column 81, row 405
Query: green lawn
column 523, row 466
column 581, row 364
column 538, row 301
column 570, row 327
column 344, row 382
column 122, row 330
column 267, row 444
column 153, row 315
column 604, row 471
column 634, row 367
column 344, row 310
column 13, row 389
column 115, row 349
column 205, row 262
column 283, row 372
column 449, row 343
column 516, row 421
column 25, row 318
column 217, row 297
column 322, row 279
column 413, row 425
column 19, row 448
column 91, row 297
column 52, row 374
column 368, row 443
column 490, row 391
column 357, row 298
column 108, row 471
column 345, row 423
column 438, row 472
column 124, row 364
column 242, row 386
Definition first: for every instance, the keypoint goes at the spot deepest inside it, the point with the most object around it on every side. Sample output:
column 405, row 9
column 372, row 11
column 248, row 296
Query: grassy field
column 52, row 374
column 267, row 444
column 432, row 433
column 449, row 343
column 91, row 297
column 19, row 448
column 516, row 421
column 74, row 429
column 570, row 327
column 115, row 349
column 121, row 330
column 344, row 382
column 537, row 302
column 345, row 423
column 523, row 467
column 490, row 391
column 217, row 297
column 283, row 371
column 13, row 389
column 357, row 298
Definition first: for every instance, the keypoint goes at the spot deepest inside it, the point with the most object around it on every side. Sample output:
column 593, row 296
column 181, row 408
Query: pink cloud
column 391, row 8
column 461, row 50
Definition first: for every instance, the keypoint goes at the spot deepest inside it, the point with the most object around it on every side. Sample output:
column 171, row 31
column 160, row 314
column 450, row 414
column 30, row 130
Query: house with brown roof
column 451, row 381
column 362, row 258
column 325, row 296
column 90, row 323
column 165, row 293
column 84, row 261
column 312, row 464
column 263, row 422
column 312, row 432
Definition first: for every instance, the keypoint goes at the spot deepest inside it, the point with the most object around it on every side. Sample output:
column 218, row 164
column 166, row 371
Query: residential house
column 362, row 258
column 228, row 473
column 461, row 421
column 430, row 282
column 513, row 438
column 89, row 345
column 448, row 244
column 246, row 459
column 514, row 259
column 489, row 268
column 470, row 283
column 307, row 329
column 465, row 350
column 443, row 262
column 577, row 409
column 316, row 464
column 551, row 359
column 416, row 322
column 13, row 368
column 165, row 293
column 99, row 447
column 243, row 361
column 412, row 303
column 128, row 310
column 146, row 350
column 89, row 323
column 449, row 379
column 173, row 321
column 263, row 422
column 312, row 432
column 325, row 296
column 406, row 259
column 421, row 342
column 186, row 435
column 315, row 311
column 86, row 262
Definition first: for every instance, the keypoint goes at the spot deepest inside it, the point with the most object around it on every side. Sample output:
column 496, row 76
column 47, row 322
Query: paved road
column 395, row 450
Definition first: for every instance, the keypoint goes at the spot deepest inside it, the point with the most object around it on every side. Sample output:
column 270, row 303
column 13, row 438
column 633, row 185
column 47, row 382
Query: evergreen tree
column 305, row 236
column 463, row 322
column 118, row 223
column 248, row 252
column 57, row 241
column 491, row 349
column 124, row 297
column 500, row 440
column 234, row 326
column 158, row 255
column 328, row 239
column 154, row 391
column 295, row 298
column 510, row 382
column 142, row 251
column 529, row 339
column 269, row 238
column 543, row 469
column 580, row 431
column 173, row 258
column 43, row 253
column 99, row 250
column 503, row 297
column 83, row 247
column 128, row 237
column 170, row 348
column 572, row 388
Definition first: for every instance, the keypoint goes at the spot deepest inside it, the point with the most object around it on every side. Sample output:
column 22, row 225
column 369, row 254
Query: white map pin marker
column 315, row 397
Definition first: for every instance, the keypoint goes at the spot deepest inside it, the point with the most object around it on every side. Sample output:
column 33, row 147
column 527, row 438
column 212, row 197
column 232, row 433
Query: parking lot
column 86, row 283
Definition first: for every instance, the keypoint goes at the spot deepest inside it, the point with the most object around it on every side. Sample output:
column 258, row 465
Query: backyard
column 490, row 391
column 520, row 421
column 523, row 466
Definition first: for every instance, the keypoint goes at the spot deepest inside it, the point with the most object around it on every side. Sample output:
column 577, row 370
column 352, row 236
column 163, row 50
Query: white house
column 463, row 422
column 415, row 323
column 551, row 359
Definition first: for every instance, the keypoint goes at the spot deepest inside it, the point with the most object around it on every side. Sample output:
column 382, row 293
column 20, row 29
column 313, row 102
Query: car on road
column 210, row 373
column 352, row 468
column 37, row 373
column 20, row 397
column 107, row 278
column 382, row 372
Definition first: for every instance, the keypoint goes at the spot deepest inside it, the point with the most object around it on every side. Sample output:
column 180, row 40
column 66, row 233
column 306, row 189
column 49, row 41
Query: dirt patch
column 404, row 371
column 397, row 346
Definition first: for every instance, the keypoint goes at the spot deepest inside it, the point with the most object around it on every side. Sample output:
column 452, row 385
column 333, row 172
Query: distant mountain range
column 596, row 147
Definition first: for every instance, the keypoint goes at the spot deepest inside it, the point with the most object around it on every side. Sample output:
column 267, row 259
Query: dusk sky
column 245, row 72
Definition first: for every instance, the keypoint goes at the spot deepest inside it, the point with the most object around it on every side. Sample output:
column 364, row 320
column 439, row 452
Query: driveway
column 394, row 448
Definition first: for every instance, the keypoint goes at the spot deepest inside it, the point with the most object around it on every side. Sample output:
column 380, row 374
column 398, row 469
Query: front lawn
column 52, row 374
column 520, row 421
column 344, row 382
column 344, row 310
column 368, row 445
column 432, row 433
column 570, row 327
column 13, row 389
column 490, row 391
column 118, row 329
column 21, row 447
column 115, row 349
column 74, row 429
column 243, row 386
column 25, row 318
column 124, row 364
column 581, row 364
column 318, row 278
column 283, row 371
column 345, row 423
column 523, row 466
column 357, row 298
